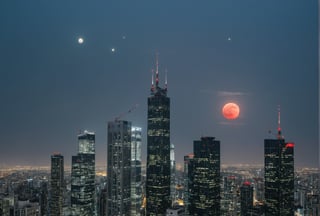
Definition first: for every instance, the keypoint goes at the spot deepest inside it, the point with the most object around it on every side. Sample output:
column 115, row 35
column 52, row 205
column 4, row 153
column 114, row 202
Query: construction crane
column 125, row 113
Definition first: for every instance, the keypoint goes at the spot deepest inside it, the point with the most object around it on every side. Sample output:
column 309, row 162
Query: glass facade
column 83, row 196
column 119, row 168
column 188, row 164
column 173, row 174
column 136, row 183
column 279, row 177
column 158, row 153
column 246, row 198
column 86, row 142
column 57, row 185
column 205, row 178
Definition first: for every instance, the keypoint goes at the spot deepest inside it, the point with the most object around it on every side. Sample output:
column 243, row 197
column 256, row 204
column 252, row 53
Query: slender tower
column 158, row 150
column 136, row 181
column 279, row 175
column 57, row 185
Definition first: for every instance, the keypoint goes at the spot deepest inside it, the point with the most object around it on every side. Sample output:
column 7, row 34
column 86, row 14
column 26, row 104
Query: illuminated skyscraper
column 158, row 150
column 136, row 183
column 205, row 178
column 187, row 175
column 83, row 196
column 173, row 174
column 119, row 168
column 279, row 176
column 229, row 195
column 246, row 198
column 57, row 185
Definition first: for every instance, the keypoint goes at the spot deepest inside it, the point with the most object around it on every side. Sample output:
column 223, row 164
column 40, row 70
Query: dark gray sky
column 257, row 53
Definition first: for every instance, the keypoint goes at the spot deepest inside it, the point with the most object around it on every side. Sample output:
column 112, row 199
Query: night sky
column 259, row 54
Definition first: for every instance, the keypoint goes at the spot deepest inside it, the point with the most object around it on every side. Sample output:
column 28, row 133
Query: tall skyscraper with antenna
column 158, row 149
column 279, row 175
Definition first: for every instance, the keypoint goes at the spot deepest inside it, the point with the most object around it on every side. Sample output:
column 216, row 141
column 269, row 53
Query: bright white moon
column 113, row 50
column 80, row 40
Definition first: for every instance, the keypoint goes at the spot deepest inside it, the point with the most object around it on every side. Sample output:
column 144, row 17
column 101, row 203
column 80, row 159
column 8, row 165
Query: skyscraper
column 229, row 195
column 279, row 175
column 57, row 185
column 83, row 176
column 158, row 150
column 187, row 174
column 173, row 174
column 136, row 181
column 43, row 199
column 205, row 182
column 246, row 198
column 119, row 168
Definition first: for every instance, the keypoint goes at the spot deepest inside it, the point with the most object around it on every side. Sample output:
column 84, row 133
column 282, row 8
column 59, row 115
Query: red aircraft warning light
column 289, row 145
column 247, row 183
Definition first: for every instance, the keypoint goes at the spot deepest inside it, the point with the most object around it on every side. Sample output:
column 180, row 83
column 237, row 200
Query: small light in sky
column 113, row 50
column 123, row 37
column 229, row 38
column 80, row 40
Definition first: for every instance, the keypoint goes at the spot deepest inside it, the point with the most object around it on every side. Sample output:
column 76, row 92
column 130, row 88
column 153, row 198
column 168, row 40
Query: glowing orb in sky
column 113, row 50
column 231, row 111
column 80, row 40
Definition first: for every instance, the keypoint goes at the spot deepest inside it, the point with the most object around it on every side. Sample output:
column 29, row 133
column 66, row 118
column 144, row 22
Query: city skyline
column 259, row 55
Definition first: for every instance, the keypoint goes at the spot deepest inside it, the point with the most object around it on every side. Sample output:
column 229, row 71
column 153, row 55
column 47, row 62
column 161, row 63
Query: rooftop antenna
column 157, row 69
column 279, row 127
column 166, row 79
column 152, row 80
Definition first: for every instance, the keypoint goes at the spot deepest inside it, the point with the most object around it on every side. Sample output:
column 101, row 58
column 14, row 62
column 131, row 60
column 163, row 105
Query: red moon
column 231, row 111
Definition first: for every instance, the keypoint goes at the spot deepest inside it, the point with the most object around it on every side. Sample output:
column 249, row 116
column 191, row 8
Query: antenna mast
column 157, row 69
column 279, row 126
column 152, row 80
column 166, row 79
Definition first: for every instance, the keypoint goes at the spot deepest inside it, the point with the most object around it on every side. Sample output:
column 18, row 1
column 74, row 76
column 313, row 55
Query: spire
column 152, row 80
column 279, row 127
column 157, row 69
column 166, row 79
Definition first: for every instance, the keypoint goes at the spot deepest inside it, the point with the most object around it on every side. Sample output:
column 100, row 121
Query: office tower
column 83, row 176
column 246, row 198
column 119, row 168
column 136, row 181
column 205, row 186
column 4, row 206
column 102, row 202
column 279, row 175
column 57, row 185
column 173, row 174
column 187, row 174
column 43, row 199
column 229, row 195
column 158, row 150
